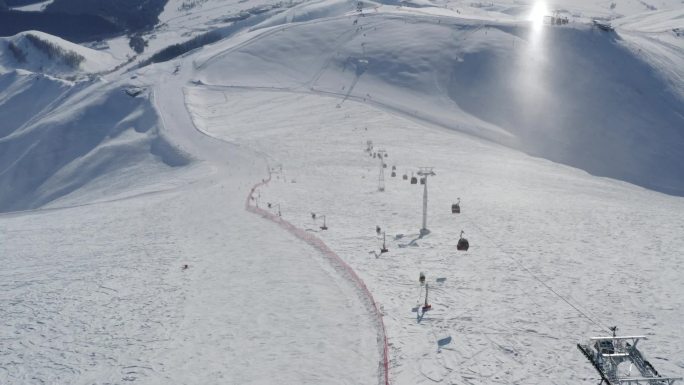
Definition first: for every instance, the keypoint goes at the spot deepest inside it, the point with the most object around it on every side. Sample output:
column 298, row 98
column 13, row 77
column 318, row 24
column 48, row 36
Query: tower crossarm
column 648, row 380
column 618, row 338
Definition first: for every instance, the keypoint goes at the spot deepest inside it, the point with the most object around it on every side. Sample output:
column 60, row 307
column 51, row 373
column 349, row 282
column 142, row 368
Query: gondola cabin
column 462, row 244
column 456, row 207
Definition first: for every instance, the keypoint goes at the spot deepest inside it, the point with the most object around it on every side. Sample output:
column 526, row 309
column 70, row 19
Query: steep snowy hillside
column 58, row 137
column 39, row 52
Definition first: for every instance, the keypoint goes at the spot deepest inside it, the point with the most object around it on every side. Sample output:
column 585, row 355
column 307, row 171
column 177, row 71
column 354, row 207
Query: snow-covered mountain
column 129, row 255
column 49, row 55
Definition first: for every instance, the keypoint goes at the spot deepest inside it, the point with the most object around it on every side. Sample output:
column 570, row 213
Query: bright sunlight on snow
column 537, row 15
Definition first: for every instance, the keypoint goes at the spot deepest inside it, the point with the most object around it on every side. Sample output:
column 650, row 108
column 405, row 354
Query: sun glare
column 539, row 11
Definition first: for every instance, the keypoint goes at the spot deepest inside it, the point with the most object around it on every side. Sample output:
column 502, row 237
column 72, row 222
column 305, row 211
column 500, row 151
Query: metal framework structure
column 381, row 177
column 425, row 172
column 384, row 245
column 607, row 353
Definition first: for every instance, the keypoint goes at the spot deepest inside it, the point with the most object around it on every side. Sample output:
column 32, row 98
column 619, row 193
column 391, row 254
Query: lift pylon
column 425, row 172
column 381, row 176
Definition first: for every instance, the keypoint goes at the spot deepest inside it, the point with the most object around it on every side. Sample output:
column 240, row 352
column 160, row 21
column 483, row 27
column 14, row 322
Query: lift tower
column 424, row 172
column 381, row 176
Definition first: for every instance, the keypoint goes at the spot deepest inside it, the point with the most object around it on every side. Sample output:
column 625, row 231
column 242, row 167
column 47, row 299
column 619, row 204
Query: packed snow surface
column 129, row 256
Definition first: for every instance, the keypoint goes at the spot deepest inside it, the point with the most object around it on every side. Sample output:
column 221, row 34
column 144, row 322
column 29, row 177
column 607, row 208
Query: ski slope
column 526, row 219
column 562, row 142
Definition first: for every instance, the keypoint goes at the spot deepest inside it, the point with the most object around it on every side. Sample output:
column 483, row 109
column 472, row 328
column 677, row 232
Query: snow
column 57, row 142
column 525, row 88
column 112, row 180
column 111, row 311
column 38, row 61
column 596, row 242
column 34, row 7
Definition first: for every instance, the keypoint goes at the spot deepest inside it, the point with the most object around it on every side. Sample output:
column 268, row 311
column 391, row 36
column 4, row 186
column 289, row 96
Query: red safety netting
column 337, row 262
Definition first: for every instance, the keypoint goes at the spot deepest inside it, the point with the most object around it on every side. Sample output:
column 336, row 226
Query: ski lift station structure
column 607, row 353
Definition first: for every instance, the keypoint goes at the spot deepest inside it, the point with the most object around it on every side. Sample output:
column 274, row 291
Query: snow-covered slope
column 58, row 137
column 574, row 95
column 40, row 52
column 540, row 234
column 140, row 263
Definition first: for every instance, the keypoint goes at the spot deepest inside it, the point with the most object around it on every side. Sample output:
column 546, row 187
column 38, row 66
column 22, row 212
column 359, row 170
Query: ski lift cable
column 547, row 286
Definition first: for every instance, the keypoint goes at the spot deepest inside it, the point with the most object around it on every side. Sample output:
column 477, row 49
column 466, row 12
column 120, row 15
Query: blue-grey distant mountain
column 82, row 20
column 21, row 3
column 133, row 15
column 76, row 28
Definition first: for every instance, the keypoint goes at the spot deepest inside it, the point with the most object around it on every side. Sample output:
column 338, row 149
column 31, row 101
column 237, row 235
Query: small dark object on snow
column 444, row 341
column 377, row 230
column 421, row 278
column 134, row 91
column 313, row 216
column 184, row 267
column 269, row 205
